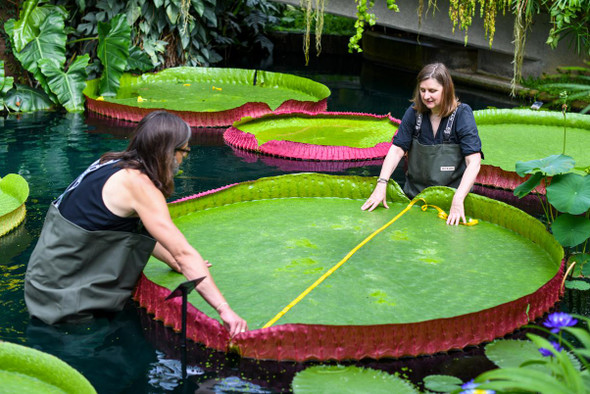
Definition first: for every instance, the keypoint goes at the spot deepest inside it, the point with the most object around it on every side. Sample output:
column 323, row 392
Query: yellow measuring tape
column 441, row 214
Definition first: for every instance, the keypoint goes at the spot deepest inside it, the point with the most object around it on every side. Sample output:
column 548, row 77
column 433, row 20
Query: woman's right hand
column 377, row 197
column 231, row 321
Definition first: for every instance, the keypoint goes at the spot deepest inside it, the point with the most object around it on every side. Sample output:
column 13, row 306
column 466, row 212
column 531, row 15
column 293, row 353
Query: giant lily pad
column 515, row 135
column 14, row 191
column 26, row 370
column 418, row 287
column 330, row 136
column 208, row 96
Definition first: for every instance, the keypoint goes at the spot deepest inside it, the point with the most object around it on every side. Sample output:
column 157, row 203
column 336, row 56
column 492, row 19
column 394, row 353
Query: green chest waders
column 74, row 272
column 433, row 165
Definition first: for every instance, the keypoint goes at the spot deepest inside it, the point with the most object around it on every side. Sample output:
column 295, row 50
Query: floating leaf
column 577, row 285
column 549, row 166
column 27, row 370
column 571, row 230
column 511, row 353
column 570, row 193
column 339, row 379
column 442, row 383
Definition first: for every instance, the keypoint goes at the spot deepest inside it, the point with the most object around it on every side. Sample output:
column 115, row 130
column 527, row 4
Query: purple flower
column 547, row 352
column 557, row 320
column 471, row 388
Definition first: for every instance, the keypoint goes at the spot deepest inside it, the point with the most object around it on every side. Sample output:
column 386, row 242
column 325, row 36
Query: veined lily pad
column 26, row 370
column 515, row 135
column 339, row 379
column 14, row 191
column 208, row 96
column 329, row 136
column 418, row 287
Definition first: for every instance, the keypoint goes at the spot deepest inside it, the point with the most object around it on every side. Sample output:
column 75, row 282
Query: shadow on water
column 129, row 352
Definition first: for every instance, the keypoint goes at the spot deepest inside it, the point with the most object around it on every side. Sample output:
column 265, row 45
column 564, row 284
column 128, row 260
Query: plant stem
column 82, row 39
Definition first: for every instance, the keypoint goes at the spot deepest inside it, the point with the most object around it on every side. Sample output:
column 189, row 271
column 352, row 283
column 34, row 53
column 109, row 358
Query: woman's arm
column 150, row 205
column 392, row 159
column 457, row 212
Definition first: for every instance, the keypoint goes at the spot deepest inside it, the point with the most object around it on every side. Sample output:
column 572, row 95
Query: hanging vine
column 310, row 15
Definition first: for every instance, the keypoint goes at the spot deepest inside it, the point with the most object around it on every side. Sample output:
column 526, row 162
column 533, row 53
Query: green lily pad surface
column 26, row 370
column 200, row 89
column 339, row 379
column 509, row 136
column 266, row 250
column 353, row 131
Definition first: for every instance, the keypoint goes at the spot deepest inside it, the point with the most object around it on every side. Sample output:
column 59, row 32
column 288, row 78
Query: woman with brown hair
column 99, row 234
column 440, row 138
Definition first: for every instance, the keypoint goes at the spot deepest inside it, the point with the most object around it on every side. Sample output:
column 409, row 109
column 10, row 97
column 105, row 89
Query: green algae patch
column 258, row 240
column 343, row 130
column 26, row 370
column 201, row 89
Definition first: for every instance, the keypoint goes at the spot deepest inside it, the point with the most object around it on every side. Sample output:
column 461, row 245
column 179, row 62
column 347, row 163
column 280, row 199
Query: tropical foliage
column 567, row 204
column 5, row 84
column 555, row 362
column 62, row 43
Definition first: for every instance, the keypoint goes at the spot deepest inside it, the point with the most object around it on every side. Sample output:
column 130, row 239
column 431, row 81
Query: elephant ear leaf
column 5, row 84
column 27, row 99
column 113, row 51
column 67, row 85
column 50, row 43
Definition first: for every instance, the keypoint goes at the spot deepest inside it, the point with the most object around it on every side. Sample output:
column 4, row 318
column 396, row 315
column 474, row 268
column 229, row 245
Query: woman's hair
column 439, row 73
column 152, row 148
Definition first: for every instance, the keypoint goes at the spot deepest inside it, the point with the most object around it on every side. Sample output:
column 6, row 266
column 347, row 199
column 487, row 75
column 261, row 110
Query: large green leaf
column 442, row 383
column 511, row 353
column 548, row 166
column 521, row 380
column 113, row 51
column 14, row 191
column 67, row 86
column 571, row 230
column 5, row 84
column 138, row 60
column 339, row 379
column 27, row 370
column 570, row 193
column 50, row 43
column 27, row 99
column 527, row 186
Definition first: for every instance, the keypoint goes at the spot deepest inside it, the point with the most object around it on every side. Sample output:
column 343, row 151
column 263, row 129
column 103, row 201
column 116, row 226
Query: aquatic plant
column 14, row 191
column 27, row 370
column 545, row 364
column 38, row 40
column 339, row 379
column 567, row 203
column 562, row 368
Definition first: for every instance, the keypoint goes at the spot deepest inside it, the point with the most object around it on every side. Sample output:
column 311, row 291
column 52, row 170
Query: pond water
column 131, row 353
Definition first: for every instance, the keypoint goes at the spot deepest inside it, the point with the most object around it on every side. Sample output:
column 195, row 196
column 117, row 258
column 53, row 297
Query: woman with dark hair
column 99, row 234
column 439, row 136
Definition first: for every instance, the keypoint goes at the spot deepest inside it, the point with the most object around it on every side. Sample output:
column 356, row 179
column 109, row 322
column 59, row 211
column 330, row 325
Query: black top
column 84, row 205
column 464, row 131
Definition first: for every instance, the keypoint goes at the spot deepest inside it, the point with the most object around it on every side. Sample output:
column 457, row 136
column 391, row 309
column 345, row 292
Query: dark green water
column 131, row 353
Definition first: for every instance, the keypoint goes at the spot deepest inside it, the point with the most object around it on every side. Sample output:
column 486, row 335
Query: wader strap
column 93, row 167
column 447, row 131
column 418, row 125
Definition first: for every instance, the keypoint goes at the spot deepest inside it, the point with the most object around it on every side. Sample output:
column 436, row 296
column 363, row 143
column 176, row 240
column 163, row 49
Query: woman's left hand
column 457, row 213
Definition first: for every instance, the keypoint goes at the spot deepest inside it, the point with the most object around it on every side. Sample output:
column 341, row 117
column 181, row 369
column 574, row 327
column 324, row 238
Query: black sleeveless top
column 84, row 206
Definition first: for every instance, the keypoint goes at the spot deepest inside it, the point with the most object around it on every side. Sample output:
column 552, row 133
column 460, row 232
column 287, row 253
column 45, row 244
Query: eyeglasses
column 185, row 151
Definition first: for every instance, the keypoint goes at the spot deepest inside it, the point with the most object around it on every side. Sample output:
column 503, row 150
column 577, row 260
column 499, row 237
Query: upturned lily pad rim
column 494, row 175
column 44, row 367
column 240, row 139
column 212, row 118
column 302, row 342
